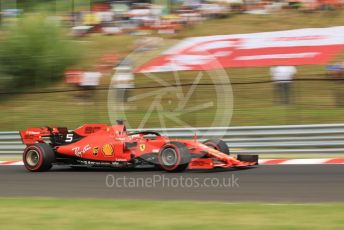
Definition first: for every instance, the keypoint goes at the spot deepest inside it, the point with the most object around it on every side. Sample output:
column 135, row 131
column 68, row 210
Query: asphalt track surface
column 268, row 183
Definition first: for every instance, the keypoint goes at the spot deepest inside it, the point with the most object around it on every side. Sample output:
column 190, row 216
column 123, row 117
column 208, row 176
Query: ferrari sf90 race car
column 100, row 145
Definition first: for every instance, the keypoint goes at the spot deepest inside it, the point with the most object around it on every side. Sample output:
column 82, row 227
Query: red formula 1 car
column 100, row 145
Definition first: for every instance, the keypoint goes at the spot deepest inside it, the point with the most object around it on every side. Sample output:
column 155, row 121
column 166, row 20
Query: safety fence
column 285, row 139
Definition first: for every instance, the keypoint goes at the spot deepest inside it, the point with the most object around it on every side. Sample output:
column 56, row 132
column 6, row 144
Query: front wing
column 210, row 163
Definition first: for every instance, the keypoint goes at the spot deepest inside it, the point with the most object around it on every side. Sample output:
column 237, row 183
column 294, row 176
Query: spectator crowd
column 117, row 17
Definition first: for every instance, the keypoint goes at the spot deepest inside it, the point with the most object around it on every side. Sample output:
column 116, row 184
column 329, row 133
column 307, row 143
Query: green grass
column 20, row 213
column 253, row 105
column 56, row 6
column 11, row 158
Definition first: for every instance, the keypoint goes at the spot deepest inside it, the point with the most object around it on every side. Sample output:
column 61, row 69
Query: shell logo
column 107, row 150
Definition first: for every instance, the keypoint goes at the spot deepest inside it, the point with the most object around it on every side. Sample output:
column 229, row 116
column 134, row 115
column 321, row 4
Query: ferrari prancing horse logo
column 142, row 147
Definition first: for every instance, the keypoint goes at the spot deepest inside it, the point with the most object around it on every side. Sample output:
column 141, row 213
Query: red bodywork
column 109, row 144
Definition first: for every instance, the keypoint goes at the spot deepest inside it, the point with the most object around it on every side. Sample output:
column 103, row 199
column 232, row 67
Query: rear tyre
column 217, row 144
column 38, row 157
column 174, row 157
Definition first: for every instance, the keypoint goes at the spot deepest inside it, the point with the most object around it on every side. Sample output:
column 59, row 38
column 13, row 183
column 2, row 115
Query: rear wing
column 56, row 135
column 34, row 135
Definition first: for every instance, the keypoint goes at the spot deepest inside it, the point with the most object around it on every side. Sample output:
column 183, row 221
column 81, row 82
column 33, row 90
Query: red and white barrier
column 301, row 161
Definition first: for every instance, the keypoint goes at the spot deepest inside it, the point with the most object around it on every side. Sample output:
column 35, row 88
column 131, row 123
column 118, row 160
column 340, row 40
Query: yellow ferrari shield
column 142, row 147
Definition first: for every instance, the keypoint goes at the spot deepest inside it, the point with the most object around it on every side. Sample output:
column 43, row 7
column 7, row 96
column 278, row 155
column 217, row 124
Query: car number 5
column 69, row 137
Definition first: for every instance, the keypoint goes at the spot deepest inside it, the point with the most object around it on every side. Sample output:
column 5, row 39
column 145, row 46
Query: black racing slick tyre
column 217, row 144
column 174, row 157
column 248, row 158
column 38, row 157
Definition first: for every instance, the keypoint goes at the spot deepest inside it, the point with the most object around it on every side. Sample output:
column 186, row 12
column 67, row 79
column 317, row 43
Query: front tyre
column 38, row 157
column 217, row 144
column 248, row 158
column 174, row 157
